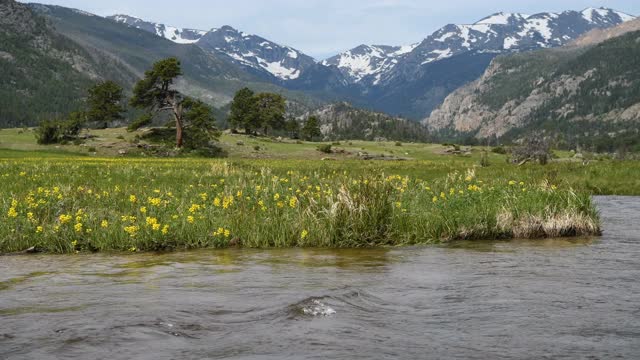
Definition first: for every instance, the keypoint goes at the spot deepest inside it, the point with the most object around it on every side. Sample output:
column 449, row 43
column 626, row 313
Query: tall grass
column 90, row 205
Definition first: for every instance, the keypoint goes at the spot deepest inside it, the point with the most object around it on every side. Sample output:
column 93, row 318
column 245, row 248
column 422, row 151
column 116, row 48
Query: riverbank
column 69, row 205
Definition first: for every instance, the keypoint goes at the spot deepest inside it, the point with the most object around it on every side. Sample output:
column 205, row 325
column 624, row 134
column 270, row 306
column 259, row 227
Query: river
column 559, row 298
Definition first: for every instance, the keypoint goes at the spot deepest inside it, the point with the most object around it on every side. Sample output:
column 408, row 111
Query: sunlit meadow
column 89, row 205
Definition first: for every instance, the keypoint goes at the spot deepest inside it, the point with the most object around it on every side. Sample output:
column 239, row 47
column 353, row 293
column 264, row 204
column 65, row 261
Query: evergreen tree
column 243, row 111
column 155, row 93
column 270, row 111
column 311, row 129
column 105, row 103
column 200, row 125
column 293, row 128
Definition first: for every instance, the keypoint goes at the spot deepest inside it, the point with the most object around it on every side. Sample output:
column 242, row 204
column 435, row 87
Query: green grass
column 69, row 204
column 283, row 196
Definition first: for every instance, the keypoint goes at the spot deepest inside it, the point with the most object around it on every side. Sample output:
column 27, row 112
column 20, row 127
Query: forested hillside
column 43, row 73
column 343, row 121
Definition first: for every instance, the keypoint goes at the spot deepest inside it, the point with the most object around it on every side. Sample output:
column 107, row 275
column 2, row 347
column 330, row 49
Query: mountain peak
column 591, row 14
column 502, row 18
column 175, row 34
column 228, row 28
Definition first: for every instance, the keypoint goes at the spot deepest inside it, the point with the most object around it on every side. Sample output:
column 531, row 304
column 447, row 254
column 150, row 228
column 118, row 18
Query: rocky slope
column 343, row 121
column 586, row 92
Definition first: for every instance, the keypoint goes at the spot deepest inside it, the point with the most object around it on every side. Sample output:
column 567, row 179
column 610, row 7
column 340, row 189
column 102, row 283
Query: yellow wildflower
column 64, row 219
column 132, row 230
column 154, row 201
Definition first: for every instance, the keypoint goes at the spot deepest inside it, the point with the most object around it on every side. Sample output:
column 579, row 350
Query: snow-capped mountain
column 251, row 51
column 408, row 80
column 366, row 60
column 255, row 52
column 177, row 35
column 498, row 33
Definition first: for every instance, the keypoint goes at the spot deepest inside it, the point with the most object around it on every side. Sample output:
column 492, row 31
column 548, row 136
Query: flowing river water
column 554, row 299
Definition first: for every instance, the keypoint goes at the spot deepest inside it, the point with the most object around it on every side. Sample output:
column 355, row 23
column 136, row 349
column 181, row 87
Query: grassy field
column 68, row 199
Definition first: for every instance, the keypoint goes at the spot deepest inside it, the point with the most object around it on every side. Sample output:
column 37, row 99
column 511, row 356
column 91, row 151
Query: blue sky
column 322, row 28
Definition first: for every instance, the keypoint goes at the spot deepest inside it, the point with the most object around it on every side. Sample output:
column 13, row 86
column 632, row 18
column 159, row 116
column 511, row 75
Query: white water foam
column 317, row 308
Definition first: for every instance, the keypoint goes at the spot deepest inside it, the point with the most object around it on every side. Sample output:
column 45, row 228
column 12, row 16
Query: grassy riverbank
column 68, row 204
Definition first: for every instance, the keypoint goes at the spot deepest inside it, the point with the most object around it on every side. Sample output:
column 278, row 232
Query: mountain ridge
column 259, row 55
column 582, row 94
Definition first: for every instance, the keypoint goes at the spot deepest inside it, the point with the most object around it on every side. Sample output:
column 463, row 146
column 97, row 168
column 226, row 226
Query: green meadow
column 106, row 195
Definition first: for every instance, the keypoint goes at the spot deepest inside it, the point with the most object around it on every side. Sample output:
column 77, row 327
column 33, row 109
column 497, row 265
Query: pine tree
column 311, row 129
column 105, row 103
column 155, row 93
column 243, row 111
column 270, row 110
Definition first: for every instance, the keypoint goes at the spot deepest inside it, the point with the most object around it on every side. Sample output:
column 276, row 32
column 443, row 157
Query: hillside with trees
column 580, row 97
column 342, row 121
column 44, row 74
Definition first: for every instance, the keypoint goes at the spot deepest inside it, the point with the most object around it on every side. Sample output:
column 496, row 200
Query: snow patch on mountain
column 279, row 70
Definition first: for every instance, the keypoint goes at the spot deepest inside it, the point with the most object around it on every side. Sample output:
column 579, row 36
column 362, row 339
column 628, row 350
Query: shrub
column 326, row 148
column 48, row 132
column 532, row 149
column 484, row 159
column 143, row 120
column 499, row 150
